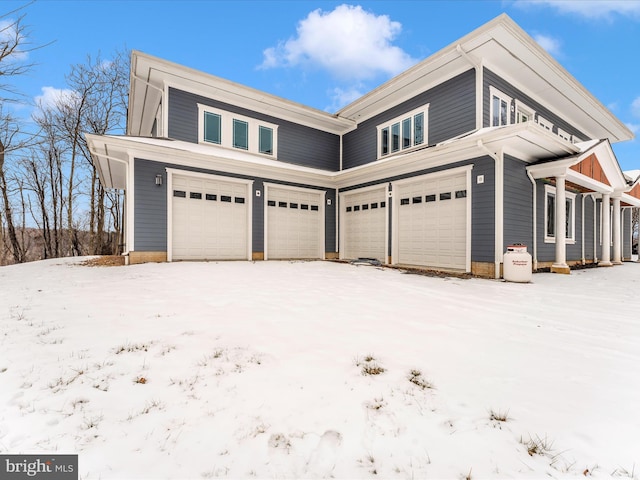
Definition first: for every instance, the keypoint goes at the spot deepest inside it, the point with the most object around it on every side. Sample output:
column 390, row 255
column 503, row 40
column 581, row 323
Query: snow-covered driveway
column 319, row 369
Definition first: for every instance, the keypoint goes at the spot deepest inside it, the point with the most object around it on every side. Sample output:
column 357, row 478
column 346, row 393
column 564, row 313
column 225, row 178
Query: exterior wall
column 547, row 251
column 451, row 113
column 482, row 204
column 492, row 79
column 297, row 144
column 150, row 210
column 518, row 204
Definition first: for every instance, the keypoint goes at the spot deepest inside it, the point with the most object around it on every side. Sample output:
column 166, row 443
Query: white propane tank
column 517, row 264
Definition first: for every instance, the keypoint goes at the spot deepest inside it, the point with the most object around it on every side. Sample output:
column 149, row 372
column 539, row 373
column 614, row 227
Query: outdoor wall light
column 158, row 179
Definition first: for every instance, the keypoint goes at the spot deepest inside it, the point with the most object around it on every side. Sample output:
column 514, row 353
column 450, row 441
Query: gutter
column 535, row 223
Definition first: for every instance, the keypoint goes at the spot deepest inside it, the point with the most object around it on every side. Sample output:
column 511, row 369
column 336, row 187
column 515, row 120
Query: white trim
column 321, row 211
column 226, row 127
column 341, row 217
column 551, row 190
column 395, row 205
column 565, row 135
column 130, row 199
column 187, row 173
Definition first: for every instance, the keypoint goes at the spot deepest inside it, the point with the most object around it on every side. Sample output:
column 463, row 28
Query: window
column 524, row 113
column 240, row 134
column 500, row 108
column 212, row 128
column 550, row 215
column 403, row 133
column 265, row 140
column 395, row 137
column 230, row 130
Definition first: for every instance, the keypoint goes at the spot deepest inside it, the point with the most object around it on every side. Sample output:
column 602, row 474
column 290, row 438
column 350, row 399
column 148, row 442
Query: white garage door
column 294, row 223
column 209, row 219
column 364, row 225
column 432, row 222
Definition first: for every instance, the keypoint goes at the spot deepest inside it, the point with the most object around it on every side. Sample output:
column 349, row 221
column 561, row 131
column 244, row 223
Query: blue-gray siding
column 492, row 79
column 451, row 113
column 518, row 204
column 297, row 144
column 150, row 214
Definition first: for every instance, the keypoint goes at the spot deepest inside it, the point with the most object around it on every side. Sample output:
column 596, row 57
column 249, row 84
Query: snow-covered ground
column 241, row 370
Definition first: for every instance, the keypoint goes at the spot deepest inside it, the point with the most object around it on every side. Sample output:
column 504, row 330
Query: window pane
column 395, row 137
column 240, row 134
column 495, row 108
column 266, row 140
column 504, row 111
column 551, row 216
column 418, row 126
column 385, row 141
column 212, row 125
column 406, row 133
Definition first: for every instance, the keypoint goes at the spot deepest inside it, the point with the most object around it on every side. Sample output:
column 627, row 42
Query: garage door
column 294, row 223
column 432, row 222
column 209, row 219
column 364, row 224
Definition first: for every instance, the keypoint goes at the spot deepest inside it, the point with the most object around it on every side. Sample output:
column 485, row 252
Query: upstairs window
column 403, row 133
column 524, row 113
column 500, row 108
column 230, row 130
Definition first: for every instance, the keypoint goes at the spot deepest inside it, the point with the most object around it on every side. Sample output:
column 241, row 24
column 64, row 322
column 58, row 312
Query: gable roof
column 502, row 46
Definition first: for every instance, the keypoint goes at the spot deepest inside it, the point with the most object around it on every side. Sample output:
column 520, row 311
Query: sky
column 325, row 54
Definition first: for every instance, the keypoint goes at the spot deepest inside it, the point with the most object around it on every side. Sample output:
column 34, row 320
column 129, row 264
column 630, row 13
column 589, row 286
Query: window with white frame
column 524, row 113
column 404, row 132
column 230, row 130
column 499, row 108
column 550, row 215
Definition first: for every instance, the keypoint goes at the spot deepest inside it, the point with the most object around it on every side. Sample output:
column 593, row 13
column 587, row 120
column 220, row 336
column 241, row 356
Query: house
column 486, row 143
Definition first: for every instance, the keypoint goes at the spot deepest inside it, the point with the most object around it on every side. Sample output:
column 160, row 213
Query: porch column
column 617, row 233
column 605, row 258
column 560, row 265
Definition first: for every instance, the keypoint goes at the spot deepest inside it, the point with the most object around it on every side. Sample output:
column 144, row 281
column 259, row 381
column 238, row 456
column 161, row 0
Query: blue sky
column 298, row 49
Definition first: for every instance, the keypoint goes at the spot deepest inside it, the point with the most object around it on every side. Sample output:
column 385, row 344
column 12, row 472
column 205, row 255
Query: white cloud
column 635, row 107
column 341, row 97
column 634, row 127
column 591, row 9
column 52, row 96
column 8, row 35
column 550, row 44
column 348, row 42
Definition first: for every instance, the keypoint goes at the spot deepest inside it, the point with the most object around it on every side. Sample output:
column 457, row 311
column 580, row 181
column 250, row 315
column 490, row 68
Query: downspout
column 477, row 65
column 499, row 206
column 584, row 260
column 535, row 220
